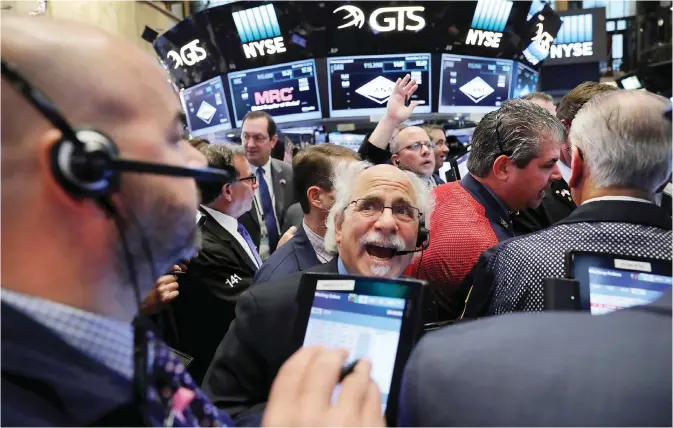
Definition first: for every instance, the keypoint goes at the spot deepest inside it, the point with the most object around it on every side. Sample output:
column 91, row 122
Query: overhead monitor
column 288, row 92
column 205, row 106
column 629, row 82
column 351, row 141
column 524, row 80
column 470, row 84
column 361, row 85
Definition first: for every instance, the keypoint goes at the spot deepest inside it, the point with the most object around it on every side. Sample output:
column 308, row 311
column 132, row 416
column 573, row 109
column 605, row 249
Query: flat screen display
column 206, row 107
column 361, row 85
column 471, row 84
column 288, row 92
column 615, row 289
column 369, row 326
column 462, row 165
column 630, row 83
column 524, row 81
column 351, row 141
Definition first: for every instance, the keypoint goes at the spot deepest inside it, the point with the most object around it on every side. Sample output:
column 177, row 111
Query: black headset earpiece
column 397, row 162
column 83, row 168
column 422, row 236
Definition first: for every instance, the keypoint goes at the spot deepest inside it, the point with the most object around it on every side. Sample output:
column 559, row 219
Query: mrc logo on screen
column 575, row 38
column 488, row 23
column 259, row 31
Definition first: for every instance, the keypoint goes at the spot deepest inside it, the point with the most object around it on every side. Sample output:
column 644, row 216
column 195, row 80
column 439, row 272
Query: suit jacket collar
column 329, row 267
column 620, row 212
column 279, row 184
column 303, row 250
column 212, row 226
column 84, row 388
column 437, row 178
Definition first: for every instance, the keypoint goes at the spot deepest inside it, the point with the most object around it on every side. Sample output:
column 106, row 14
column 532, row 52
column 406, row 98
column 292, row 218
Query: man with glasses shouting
column 376, row 214
column 275, row 191
column 226, row 263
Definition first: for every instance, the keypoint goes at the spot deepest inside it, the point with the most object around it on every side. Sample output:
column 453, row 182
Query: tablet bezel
column 410, row 332
column 606, row 260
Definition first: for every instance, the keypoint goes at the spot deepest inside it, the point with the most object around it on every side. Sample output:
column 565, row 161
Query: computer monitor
column 631, row 82
column 361, row 85
column 205, row 107
column 351, row 141
column 288, row 92
column 470, row 84
column 461, row 164
column 524, row 80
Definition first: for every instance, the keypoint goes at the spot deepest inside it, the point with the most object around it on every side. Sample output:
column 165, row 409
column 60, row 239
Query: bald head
column 94, row 78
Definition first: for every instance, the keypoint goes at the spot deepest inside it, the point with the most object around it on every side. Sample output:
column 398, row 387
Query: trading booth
column 330, row 66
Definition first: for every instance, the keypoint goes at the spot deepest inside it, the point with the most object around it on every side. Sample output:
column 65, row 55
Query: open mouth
column 381, row 253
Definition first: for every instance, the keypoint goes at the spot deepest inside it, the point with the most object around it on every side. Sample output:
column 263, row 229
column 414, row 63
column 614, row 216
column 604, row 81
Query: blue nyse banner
column 582, row 38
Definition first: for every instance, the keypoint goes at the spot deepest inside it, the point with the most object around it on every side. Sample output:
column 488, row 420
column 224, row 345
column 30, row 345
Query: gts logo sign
column 189, row 54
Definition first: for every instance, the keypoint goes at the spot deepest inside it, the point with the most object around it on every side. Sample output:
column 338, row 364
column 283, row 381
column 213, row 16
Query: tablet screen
column 614, row 289
column 368, row 325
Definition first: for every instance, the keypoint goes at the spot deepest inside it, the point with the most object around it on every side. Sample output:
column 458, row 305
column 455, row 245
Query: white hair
column 625, row 140
column 344, row 179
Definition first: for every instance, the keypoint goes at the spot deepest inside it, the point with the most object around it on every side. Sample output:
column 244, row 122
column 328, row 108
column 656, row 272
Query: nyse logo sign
column 189, row 54
column 259, row 31
column 568, row 50
column 385, row 19
column 575, row 38
column 273, row 96
column 488, row 23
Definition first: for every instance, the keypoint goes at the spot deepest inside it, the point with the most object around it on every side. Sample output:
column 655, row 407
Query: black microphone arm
column 198, row 174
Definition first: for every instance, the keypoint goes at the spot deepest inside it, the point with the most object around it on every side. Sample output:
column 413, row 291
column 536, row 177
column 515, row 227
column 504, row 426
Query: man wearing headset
column 82, row 244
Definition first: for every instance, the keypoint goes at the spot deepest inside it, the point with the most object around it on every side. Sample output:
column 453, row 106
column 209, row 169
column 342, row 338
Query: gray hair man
column 512, row 163
column 621, row 154
column 377, row 209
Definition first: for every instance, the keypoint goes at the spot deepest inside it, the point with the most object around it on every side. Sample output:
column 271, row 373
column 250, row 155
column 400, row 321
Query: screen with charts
column 369, row 326
column 361, row 85
column 288, row 92
column 205, row 106
column 524, row 81
column 614, row 289
column 471, row 84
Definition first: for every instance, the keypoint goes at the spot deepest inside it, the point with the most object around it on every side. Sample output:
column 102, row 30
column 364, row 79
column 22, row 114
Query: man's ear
column 227, row 192
column 313, row 196
column 338, row 222
column 566, row 124
column 502, row 167
column 274, row 140
column 395, row 159
column 577, row 168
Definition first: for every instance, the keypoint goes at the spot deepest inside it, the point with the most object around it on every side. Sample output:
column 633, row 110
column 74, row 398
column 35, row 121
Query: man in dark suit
column 364, row 232
column 549, row 369
column 313, row 169
column 557, row 203
column 226, row 263
column 275, row 191
column 617, row 167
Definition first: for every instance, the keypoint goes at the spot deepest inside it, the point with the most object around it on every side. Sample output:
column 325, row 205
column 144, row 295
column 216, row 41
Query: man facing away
column 67, row 339
column 377, row 209
column 313, row 169
column 621, row 154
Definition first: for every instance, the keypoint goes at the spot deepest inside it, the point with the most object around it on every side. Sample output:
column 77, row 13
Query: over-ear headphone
column 85, row 162
column 422, row 237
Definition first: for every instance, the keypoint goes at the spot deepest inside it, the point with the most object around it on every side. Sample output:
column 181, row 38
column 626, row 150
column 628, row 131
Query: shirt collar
column 341, row 267
column 103, row 339
column 617, row 198
column 265, row 167
column 565, row 170
column 318, row 244
column 226, row 221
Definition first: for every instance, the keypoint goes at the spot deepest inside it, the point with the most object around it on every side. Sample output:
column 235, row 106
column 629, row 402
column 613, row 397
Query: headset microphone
column 422, row 243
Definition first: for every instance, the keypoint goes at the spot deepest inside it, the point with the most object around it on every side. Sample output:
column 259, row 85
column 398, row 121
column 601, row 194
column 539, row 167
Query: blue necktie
column 267, row 208
column 246, row 236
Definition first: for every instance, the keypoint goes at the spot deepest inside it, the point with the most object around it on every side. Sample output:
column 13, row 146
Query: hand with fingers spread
column 301, row 394
column 164, row 291
column 397, row 110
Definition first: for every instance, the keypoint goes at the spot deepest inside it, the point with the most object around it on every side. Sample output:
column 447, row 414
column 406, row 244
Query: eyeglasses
column 417, row 146
column 257, row 138
column 372, row 207
column 252, row 178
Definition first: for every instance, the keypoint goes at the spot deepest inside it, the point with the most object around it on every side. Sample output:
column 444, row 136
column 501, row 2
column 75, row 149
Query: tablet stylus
column 348, row 369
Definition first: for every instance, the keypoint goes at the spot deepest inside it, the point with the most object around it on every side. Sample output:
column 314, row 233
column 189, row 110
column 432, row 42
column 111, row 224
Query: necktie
column 267, row 208
column 168, row 376
column 246, row 237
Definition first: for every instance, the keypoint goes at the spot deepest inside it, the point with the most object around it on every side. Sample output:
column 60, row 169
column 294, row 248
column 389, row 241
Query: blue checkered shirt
column 105, row 340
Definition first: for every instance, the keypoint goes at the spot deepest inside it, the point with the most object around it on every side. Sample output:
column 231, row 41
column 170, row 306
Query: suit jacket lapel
column 303, row 250
column 212, row 226
column 278, row 188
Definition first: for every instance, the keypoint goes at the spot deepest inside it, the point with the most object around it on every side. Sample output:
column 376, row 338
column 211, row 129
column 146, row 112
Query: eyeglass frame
column 429, row 144
column 251, row 177
column 418, row 215
column 255, row 137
